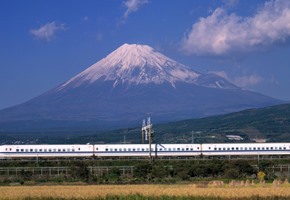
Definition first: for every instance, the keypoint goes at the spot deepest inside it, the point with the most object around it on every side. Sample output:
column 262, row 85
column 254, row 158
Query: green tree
column 143, row 171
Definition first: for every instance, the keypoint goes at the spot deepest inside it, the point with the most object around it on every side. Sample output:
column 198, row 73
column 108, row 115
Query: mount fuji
column 131, row 83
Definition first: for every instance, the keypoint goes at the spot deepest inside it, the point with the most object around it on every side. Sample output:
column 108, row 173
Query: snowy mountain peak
column 133, row 55
column 137, row 64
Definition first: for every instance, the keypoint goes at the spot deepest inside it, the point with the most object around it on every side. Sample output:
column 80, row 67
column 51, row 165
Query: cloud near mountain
column 47, row 31
column 223, row 33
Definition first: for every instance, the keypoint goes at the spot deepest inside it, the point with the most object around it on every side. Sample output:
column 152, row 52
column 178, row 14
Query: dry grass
column 95, row 191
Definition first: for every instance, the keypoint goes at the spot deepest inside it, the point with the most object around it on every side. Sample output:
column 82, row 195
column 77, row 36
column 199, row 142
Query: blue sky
column 43, row 43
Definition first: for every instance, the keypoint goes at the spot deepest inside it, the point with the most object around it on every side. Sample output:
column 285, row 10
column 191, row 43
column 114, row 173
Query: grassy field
column 140, row 192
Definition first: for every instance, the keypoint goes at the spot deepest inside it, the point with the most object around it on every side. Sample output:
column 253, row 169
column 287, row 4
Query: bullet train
column 142, row 150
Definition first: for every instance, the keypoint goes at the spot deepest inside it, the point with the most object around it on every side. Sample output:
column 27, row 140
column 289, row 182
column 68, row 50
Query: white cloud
column 47, row 31
column 221, row 33
column 231, row 3
column 240, row 81
column 246, row 81
column 132, row 6
column 86, row 18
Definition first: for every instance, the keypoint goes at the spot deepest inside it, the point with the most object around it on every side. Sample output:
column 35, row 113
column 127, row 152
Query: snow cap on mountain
column 135, row 64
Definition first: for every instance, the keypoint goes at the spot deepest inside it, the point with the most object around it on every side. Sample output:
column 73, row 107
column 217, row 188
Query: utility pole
column 147, row 134
column 195, row 135
column 192, row 138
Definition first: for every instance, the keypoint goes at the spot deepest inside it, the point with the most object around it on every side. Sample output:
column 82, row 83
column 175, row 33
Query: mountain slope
column 271, row 123
column 129, row 84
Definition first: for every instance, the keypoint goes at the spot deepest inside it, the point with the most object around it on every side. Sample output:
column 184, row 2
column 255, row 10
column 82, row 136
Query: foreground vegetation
column 189, row 191
column 132, row 172
column 160, row 180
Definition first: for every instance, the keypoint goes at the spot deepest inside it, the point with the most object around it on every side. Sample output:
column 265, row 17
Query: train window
column 54, row 150
column 97, row 149
column 63, row 149
column 10, row 149
column 173, row 149
column 237, row 148
column 169, row 149
column 187, row 149
column 263, row 148
column 72, row 149
column 178, row 149
column 267, row 148
column 280, row 148
column 220, row 149
column 17, row 150
column 115, row 149
column 215, row 148
column 250, row 148
column 246, row 148
column 208, row 147
column 68, row 149
column 79, row 149
column 276, row 148
column 229, row 148
column 129, row 149
column 271, row 148
column 22, row 150
column 143, row 149
column 182, row 149
column 125, row 149
column 191, row 149
column 241, row 148
column 233, row 148
column 45, row 150
column 35, row 150
column 107, row 149
column 59, row 150
column 40, row 149
column 26, row 150
column 284, row 148
column 134, row 149
column 224, row 148
column 147, row 149
column 120, row 149
column 254, row 148
column 259, row 148
column 160, row 149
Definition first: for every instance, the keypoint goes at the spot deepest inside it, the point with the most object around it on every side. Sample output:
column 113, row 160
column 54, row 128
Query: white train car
column 141, row 150
column 18, row 151
column 228, row 149
column 178, row 150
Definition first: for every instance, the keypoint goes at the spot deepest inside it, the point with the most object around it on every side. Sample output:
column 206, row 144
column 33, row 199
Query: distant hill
column 271, row 123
